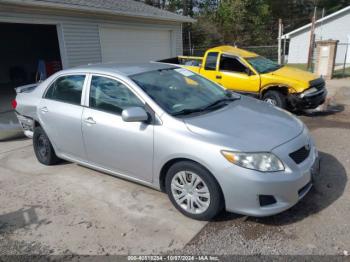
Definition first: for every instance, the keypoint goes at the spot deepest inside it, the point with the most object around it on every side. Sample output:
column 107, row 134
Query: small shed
column 46, row 35
column 334, row 26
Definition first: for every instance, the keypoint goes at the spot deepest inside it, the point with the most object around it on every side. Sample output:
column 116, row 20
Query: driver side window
column 232, row 64
column 111, row 96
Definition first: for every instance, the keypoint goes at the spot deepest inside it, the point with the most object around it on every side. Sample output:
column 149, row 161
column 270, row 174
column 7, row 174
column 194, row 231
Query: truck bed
column 192, row 63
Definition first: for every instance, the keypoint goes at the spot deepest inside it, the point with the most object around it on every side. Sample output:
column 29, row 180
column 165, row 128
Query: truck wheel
column 275, row 98
column 43, row 148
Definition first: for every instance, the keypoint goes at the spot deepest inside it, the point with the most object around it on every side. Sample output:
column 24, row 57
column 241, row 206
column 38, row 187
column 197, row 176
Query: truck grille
column 300, row 155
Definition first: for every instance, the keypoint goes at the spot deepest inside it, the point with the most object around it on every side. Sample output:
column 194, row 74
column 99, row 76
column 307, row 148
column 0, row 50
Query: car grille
column 300, row 155
column 318, row 83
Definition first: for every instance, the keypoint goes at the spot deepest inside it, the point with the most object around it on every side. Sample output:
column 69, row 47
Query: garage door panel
column 126, row 45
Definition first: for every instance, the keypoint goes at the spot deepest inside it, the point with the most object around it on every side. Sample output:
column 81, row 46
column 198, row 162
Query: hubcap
column 190, row 192
column 270, row 101
column 43, row 146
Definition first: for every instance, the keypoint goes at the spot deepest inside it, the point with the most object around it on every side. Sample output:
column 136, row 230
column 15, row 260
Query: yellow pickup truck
column 248, row 73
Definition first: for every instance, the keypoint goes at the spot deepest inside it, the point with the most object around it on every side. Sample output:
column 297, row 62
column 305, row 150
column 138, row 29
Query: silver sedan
column 173, row 130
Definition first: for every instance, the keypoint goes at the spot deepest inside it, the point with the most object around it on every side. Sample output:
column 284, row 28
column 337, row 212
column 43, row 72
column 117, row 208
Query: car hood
column 294, row 74
column 246, row 124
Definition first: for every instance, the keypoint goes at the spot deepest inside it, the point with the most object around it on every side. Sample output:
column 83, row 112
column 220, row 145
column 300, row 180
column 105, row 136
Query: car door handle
column 44, row 109
column 90, row 120
column 218, row 77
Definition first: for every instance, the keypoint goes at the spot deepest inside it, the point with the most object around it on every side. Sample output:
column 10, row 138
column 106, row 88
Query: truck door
column 210, row 67
column 235, row 75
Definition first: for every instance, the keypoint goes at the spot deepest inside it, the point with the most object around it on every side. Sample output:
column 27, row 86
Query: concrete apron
column 72, row 209
column 9, row 126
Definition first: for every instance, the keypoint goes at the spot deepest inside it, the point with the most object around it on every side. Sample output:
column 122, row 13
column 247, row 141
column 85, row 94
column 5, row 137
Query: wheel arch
column 36, row 124
column 284, row 89
column 171, row 162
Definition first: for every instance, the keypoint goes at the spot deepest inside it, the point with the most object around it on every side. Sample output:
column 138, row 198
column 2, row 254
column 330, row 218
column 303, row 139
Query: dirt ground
column 69, row 209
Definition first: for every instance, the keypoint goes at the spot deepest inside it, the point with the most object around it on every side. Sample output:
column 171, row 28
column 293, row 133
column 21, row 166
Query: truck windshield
column 181, row 92
column 262, row 64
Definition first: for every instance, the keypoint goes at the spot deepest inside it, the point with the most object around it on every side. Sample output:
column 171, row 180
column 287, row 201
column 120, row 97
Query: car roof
column 125, row 69
column 231, row 50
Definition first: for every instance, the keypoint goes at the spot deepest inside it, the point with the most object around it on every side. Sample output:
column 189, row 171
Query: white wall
column 336, row 28
column 78, row 34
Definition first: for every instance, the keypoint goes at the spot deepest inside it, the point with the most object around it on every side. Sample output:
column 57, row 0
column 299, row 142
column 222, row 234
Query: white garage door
column 126, row 45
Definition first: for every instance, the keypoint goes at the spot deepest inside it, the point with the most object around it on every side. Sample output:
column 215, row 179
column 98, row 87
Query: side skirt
column 109, row 172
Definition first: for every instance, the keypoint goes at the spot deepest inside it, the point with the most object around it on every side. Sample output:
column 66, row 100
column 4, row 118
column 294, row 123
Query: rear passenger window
column 111, row 96
column 210, row 63
column 67, row 89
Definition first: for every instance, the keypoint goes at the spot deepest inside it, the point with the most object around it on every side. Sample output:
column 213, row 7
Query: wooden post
column 189, row 42
column 279, row 40
column 312, row 41
column 284, row 49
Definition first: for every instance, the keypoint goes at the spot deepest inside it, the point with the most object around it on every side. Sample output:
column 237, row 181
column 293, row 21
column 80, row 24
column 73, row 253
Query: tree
column 243, row 22
column 235, row 21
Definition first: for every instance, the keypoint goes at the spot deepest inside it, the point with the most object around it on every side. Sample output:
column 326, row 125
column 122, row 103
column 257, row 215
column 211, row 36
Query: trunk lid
column 26, row 88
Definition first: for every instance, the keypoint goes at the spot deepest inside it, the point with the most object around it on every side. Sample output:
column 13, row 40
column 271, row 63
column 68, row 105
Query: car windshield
column 262, row 64
column 181, row 92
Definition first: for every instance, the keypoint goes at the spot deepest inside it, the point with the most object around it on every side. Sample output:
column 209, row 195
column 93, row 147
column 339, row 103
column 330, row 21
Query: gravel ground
column 318, row 225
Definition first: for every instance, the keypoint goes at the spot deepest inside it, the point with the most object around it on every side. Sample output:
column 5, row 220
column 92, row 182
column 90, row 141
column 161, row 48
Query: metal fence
column 342, row 61
column 269, row 51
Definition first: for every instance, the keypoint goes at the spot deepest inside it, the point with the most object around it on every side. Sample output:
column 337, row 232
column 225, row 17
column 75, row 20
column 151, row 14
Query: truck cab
column 248, row 73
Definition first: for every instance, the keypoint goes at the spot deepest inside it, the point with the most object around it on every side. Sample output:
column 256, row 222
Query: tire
column 205, row 206
column 275, row 98
column 43, row 149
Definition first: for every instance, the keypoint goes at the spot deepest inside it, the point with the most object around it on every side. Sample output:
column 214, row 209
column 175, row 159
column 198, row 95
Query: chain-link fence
column 269, row 51
column 342, row 61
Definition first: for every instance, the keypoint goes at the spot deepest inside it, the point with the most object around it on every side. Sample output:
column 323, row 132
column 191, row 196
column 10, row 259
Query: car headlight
column 308, row 91
column 264, row 162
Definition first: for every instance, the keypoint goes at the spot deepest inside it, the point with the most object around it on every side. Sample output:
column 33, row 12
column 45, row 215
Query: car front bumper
column 310, row 101
column 244, row 189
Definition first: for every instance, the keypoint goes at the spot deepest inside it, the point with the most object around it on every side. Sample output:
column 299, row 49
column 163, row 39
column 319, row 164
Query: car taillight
column 14, row 104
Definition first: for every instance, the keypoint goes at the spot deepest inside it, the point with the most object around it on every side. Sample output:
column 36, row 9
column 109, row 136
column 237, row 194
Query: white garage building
column 68, row 33
column 335, row 26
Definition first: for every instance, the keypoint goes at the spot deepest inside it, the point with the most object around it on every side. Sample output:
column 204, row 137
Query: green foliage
column 244, row 22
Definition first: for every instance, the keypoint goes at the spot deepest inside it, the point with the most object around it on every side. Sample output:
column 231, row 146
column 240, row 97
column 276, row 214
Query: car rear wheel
column 43, row 148
column 194, row 191
column 275, row 98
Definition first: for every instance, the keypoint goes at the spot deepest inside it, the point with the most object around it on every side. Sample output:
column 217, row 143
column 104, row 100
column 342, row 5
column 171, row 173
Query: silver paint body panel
column 138, row 151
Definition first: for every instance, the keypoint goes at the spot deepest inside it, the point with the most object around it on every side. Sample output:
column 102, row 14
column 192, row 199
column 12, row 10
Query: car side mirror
column 135, row 114
column 248, row 72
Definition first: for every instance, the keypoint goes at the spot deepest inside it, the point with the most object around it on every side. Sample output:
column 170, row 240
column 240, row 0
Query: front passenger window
column 67, row 89
column 231, row 64
column 111, row 96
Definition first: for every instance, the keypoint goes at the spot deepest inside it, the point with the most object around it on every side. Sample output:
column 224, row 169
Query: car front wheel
column 275, row 98
column 194, row 191
column 43, row 148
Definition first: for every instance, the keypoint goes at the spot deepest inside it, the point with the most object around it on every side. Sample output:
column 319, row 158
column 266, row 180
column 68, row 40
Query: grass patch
column 340, row 73
column 299, row 66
